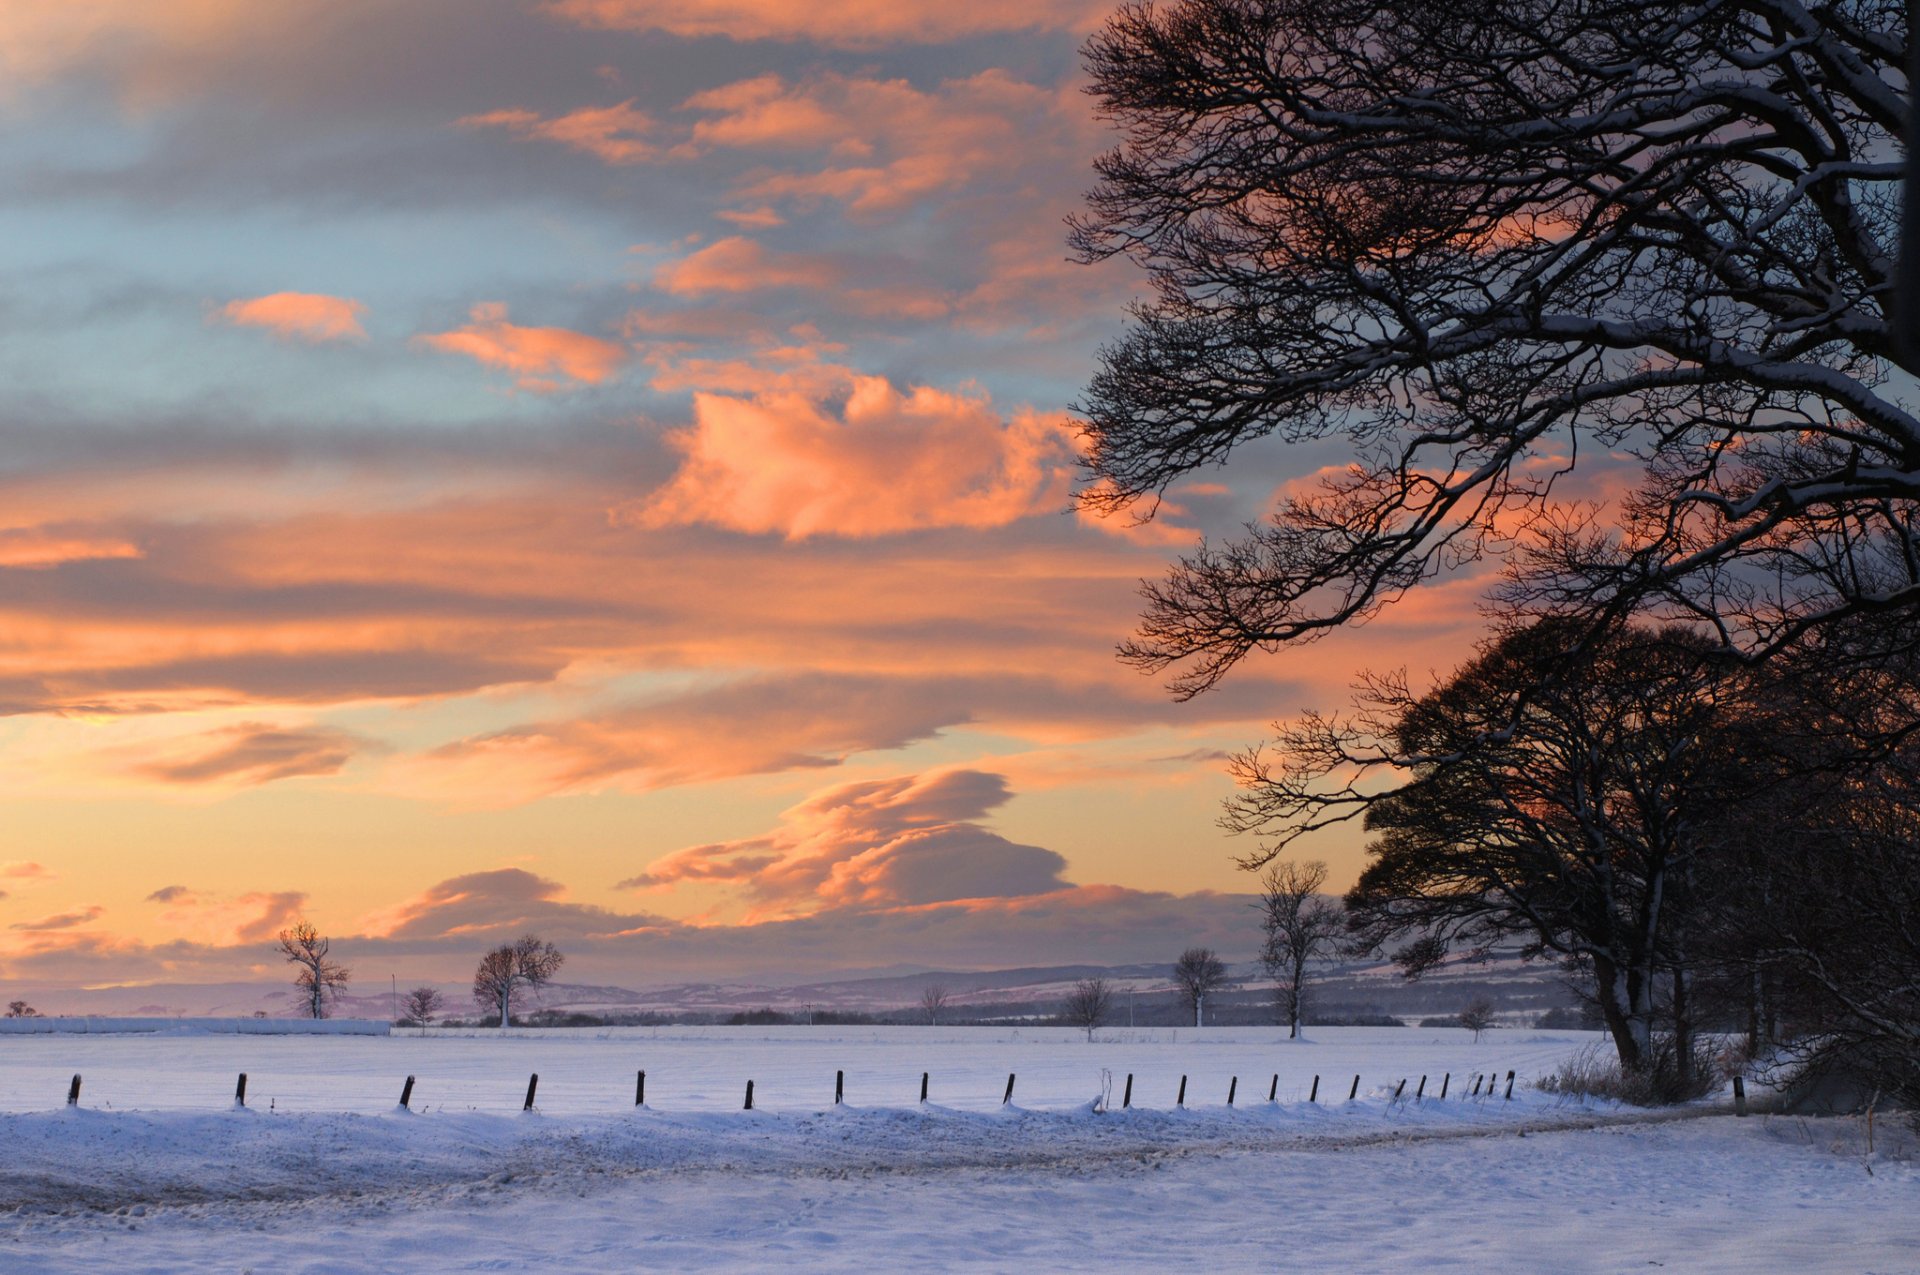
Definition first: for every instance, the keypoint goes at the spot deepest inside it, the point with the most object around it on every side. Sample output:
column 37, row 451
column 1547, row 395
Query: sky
column 601, row 467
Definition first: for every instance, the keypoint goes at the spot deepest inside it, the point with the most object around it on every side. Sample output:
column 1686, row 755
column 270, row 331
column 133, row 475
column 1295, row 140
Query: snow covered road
column 1708, row 1195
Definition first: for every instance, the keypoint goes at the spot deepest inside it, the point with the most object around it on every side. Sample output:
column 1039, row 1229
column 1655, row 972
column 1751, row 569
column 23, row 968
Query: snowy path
column 1710, row 1195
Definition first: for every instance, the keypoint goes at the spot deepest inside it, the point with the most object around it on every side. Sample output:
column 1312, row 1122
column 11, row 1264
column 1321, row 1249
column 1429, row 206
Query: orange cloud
column 39, row 548
column 251, row 918
column 841, row 23
column 887, row 462
column 254, row 753
column 887, row 143
column 25, row 871
column 613, row 134
column 738, row 264
column 541, row 359
column 901, row 842
column 304, row 316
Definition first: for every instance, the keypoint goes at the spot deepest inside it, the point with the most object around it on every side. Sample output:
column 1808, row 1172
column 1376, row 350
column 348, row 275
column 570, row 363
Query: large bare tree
column 1297, row 927
column 319, row 976
column 528, row 961
column 1460, row 250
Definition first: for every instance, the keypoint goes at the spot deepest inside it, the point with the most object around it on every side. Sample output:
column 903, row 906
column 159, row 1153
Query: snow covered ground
column 690, row 1069
column 324, row 1174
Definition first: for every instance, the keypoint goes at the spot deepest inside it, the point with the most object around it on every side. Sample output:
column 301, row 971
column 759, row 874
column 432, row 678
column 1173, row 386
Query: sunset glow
column 589, row 466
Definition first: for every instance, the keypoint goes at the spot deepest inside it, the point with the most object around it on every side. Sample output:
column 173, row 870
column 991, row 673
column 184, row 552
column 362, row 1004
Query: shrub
column 1594, row 1072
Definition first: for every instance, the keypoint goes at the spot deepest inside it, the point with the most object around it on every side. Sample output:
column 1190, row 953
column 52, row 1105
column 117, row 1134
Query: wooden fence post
column 1181, row 1101
column 73, row 1091
column 1314, row 1094
column 1399, row 1089
column 1476, row 1085
column 1421, row 1092
column 1233, row 1087
column 1008, row 1096
column 1739, row 1094
column 240, row 1091
column 749, row 1106
column 1443, row 1085
column 1273, row 1090
column 923, row 1086
column 640, row 1089
column 1355, row 1091
column 1509, row 1097
column 533, row 1083
column 406, row 1092
column 839, row 1087
column 1127, row 1100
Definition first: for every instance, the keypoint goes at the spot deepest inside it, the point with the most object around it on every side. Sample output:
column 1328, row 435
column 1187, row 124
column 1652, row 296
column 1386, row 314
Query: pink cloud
column 900, row 842
column 841, row 23
column 761, row 218
column 613, row 134
column 38, row 548
column 887, row 461
column 254, row 917
column 737, row 264
column 26, row 871
column 252, row 753
column 304, row 316
column 541, row 359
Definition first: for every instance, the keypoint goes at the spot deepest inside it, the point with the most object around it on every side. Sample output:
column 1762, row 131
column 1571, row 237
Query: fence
column 1492, row 1081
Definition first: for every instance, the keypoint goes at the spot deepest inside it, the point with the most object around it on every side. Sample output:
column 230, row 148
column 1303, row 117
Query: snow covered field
column 156, row 1172
column 691, row 1069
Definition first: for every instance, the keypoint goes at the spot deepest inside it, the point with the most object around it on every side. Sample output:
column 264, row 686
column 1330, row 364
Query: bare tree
column 1483, row 244
column 20, row 1009
column 1088, row 1004
column 933, row 1000
column 1198, row 974
column 1477, row 1016
column 320, row 977
column 529, row 961
column 1297, row 927
column 422, row 1007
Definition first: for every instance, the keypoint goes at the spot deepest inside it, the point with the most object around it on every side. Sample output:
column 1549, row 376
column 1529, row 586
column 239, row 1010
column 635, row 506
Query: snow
column 323, row 1172
column 62, row 1025
column 583, row 1072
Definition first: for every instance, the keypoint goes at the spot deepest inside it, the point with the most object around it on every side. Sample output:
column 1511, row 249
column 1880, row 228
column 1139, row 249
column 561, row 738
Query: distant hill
column 1344, row 991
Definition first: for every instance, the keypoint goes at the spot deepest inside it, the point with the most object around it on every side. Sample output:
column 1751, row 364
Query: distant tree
column 1198, row 974
column 933, row 1000
column 1297, row 925
column 320, row 977
column 1477, row 1016
column 20, row 1009
column 1087, row 1006
column 529, row 961
column 422, row 1006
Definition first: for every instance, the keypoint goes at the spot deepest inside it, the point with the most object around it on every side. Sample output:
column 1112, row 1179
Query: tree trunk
column 506, row 1006
column 1682, row 1030
column 1626, row 1021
